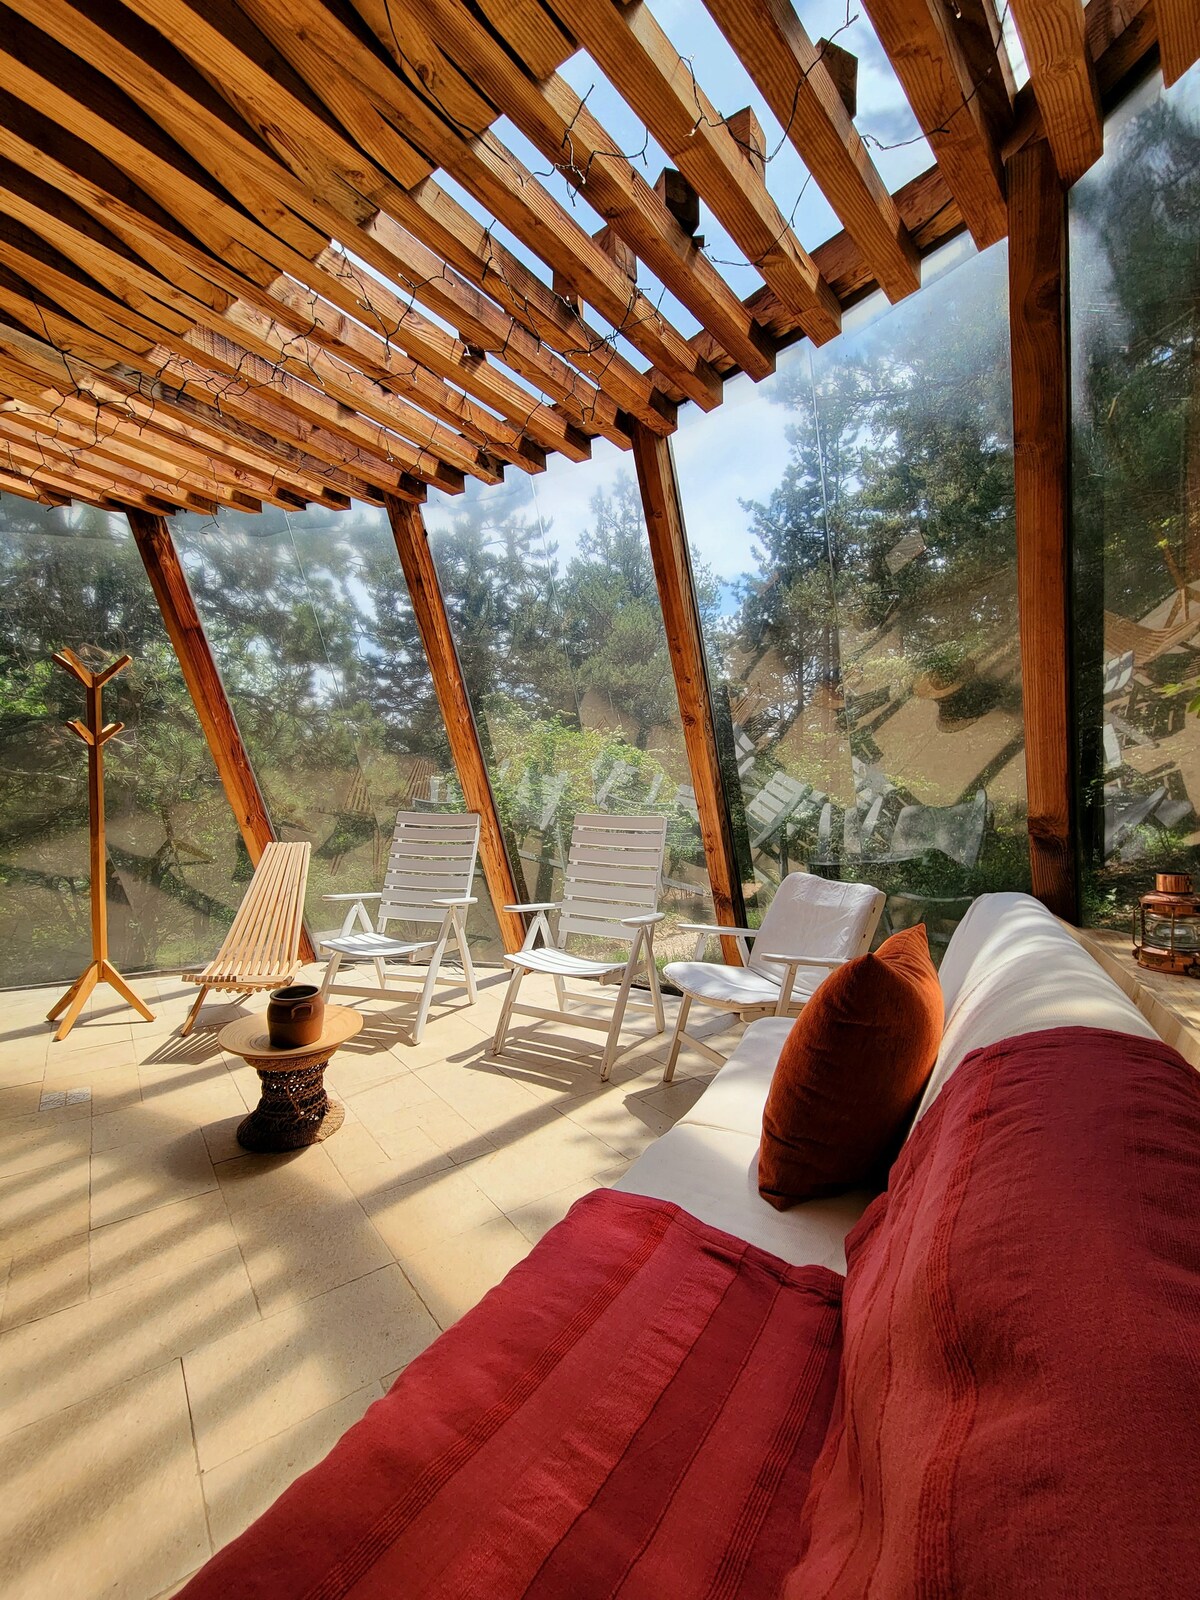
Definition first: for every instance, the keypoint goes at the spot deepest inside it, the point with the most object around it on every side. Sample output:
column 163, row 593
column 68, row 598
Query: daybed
column 992, row 1388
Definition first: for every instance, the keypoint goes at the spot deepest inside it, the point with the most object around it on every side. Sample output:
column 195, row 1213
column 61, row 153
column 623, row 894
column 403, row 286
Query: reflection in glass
column 867, row 642
column 176, row 863
column 1135, row 329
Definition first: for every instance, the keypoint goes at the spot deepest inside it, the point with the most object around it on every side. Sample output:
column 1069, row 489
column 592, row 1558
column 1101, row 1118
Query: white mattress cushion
column 736, row 1096
column 728, row 986
column 1012, row 968
column 713, row 1173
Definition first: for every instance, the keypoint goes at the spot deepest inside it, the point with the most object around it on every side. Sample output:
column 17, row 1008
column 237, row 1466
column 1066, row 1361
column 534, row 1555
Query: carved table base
column 294, row 1110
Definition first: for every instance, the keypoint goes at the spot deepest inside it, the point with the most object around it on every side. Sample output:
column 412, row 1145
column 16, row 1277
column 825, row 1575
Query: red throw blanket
column 1021, row 1314
column 635, row 1410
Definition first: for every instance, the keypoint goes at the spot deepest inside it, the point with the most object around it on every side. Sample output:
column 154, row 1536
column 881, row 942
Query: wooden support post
column 681, row 616
column 187, row 636
column 412, row 543
column 1037, row 274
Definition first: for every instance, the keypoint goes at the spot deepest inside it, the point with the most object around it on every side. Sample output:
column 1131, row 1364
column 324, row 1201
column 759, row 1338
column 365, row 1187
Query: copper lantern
column 1166, row 926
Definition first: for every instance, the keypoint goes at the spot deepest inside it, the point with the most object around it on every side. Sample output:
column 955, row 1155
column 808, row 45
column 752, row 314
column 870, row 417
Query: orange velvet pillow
column 851, row 1073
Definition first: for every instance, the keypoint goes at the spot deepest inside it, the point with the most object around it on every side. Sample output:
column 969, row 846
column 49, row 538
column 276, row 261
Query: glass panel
column 176, row 864
column 552, row 599
column 310, row 621
column 857, row 508
column 1135, row 330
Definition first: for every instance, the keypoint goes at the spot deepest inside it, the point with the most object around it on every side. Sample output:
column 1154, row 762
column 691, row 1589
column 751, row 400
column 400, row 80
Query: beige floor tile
column 352, row 1148
column 294, row 1253
column 22, row 1100
column 47, row 1279
column 220, row 1137
column 539, row 1216
column 412, row 1151
column 396, row 1097
column 455, row 1274
column 42, row 1207
column 70, row 1354
column 550, row 1158
column 490, row 1100
column 301, row 1177
column 448, row 1129
column 628, row 1122
column 157, row 1172
column 103, row 1498
column 248, row 1387
column 21, row 1066
column 240, row 1490
column 124, row 1254
column 112, row 1088
column 41, row 1140
column 157, row 1115
column 412, row 1216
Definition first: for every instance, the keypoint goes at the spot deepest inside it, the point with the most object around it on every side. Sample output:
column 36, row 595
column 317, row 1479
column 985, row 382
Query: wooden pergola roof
column 232, row 271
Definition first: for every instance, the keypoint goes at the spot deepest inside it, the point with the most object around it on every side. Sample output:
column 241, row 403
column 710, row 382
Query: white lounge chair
column 610, row 892
column 957, row 831
column 773, row 806
column 427, row 883
column 811, row 926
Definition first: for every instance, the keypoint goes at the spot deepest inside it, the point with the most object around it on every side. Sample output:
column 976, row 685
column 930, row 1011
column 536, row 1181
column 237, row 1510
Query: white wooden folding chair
column 610, row 893
column 262, row 948
column 811, row 926
column 427, row 884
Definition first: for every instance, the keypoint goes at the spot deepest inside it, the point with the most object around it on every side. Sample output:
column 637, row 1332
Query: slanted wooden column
column 1037, row 283
column 681, row 616
column 408, row 529
column 203, row 680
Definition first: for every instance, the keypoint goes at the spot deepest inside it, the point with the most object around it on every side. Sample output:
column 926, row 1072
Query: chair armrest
column 456, row 900
column 646, row 920
column 536, row 905
column 370, row 895
column 805, row 961
column 718, row 929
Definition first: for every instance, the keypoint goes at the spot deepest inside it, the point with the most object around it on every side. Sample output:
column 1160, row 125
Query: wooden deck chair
column 611, row 890
column 262, row 948
column 772, row 807
column 427, row 883
column 1146, row 644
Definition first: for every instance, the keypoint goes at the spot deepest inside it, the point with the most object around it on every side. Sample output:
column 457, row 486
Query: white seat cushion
column 1013, row 968
column 562, row 963
column 735, row 1098
column 725, row 986
column 374, row 945
column 713, row 1173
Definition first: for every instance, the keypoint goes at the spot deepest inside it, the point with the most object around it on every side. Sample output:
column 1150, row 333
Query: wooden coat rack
column 95, row 734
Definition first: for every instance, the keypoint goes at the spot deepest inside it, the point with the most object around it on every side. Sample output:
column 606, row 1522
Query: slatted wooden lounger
column 262, row 948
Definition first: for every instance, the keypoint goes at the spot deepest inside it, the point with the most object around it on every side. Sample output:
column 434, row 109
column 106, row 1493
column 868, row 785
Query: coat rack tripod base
column 95, row 733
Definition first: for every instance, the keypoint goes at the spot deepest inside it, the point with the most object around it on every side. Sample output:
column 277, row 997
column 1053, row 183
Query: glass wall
column 550, row 588
column 857, row 509
column 176, row 864
column 1135, row 329
column 310, row 622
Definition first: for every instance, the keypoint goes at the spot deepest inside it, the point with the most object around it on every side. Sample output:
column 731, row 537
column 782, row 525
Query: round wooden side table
column 294, row 1110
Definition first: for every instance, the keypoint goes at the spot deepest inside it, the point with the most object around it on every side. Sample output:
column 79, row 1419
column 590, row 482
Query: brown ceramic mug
column 295, row 1016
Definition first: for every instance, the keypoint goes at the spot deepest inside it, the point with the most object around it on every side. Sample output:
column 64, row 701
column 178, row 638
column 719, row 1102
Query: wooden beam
column 976, row 23
column 1054, row 38
column 420, row 574
column 689, row 663
column 1037, row 273
column 936, row 77
column 1178, row 36
column 641, row 63
column 554, row 118
column 796, row 83
column 203, row 680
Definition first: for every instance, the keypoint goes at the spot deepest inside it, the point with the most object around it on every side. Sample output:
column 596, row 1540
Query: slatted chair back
column 812, row 916
column 432, row 858
column 263, row 944
column 773, row 805
column 614, row 870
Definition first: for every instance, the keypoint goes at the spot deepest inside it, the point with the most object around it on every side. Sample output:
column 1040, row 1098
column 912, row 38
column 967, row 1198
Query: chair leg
column 435, row 962
column 614, row 1030
column 331, row 967
column 660, row 1022
column 464, row 950
column 506, row 1010
column 685, row 1005
column 380, row 971
column 190, row 1021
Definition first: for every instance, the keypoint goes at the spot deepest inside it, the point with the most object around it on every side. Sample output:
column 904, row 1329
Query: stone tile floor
column 184, row 1327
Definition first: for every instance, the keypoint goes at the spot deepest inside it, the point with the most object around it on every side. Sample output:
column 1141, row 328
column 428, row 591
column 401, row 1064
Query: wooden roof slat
column 17, row 483
column 640, row 62
column 494, row 176
column 64, row 446
column 936, row 78
column 156, row 400
column 976, row 24
column 1054, row 38
column 554, row 118
column 48, row 466
column 1178, row 36
column 772, row 44
column 139, row 146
